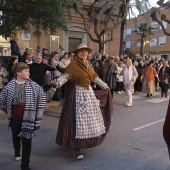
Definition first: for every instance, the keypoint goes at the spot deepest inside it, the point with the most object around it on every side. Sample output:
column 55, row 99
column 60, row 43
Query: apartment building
column 157, row 44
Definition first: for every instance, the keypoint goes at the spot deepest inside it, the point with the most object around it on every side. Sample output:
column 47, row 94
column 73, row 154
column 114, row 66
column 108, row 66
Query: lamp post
column 148, row 42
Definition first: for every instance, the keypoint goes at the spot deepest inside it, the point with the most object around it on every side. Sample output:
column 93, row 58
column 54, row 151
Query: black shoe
column 150, row 95
column 78, row 154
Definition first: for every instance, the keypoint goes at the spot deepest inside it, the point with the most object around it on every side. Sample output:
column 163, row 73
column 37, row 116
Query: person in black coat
column 24, row 56
column 15, row 51
column 38, row 70
column 100, row 70
column 164, row 87
column 164, row 71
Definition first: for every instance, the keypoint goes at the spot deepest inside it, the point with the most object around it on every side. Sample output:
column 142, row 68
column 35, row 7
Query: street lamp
column 148, row 42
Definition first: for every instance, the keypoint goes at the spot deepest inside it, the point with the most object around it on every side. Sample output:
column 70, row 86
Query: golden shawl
column 81, row 73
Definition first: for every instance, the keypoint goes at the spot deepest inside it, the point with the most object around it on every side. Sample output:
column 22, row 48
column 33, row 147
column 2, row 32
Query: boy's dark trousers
column 26, row 143
column 164, row 93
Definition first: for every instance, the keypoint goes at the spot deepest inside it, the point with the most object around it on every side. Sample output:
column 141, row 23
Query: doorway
column 73, row 43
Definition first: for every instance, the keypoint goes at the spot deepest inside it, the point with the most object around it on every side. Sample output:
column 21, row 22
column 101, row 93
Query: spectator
column 100, row 70
column 98, row 57
column 45, row 53
column 119, row 79
column 164, row 87
column 28, row 59
column 48, row 75
column 64, row 63
column 71, row 57
column 111, row 71
column 138, row 83
column 23, row 58
column 10, row 66
column 15, row 51
column 164, row 71
column 55, row 60
column 38, row 50
column 38, row 70
column 3, row 75
column 65, row 60
column 103, row 59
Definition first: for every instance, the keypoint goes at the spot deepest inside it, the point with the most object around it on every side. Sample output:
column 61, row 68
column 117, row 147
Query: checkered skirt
column 89, row 120
column 70, row 125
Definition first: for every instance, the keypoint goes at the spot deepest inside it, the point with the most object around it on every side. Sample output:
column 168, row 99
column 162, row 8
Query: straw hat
column 80, row 47
column 112, row 57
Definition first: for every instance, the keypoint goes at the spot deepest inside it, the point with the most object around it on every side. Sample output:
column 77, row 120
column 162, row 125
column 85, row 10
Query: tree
column 163, row 17
column 38, row 15
column 136, row 6
column 106, row 13
column 144, row 31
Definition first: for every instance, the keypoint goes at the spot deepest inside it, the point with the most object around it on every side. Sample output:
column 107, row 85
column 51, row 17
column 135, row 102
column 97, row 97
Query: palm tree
column 135, row 6
column 144, row 31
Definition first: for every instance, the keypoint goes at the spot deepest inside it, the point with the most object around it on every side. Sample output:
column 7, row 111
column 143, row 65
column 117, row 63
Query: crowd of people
column 83, row 124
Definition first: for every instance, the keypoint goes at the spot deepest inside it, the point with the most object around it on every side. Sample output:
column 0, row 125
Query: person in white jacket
column 55, row 60
column 119, row 79
column 65, row 61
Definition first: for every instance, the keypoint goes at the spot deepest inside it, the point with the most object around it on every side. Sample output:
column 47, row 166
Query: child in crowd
column 24, row 102
column 164, row 87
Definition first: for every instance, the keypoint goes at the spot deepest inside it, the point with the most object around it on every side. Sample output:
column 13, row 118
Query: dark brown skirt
column 67, row 124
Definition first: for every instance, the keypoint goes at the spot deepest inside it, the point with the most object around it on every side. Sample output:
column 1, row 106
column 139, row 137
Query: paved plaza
column 134, row 142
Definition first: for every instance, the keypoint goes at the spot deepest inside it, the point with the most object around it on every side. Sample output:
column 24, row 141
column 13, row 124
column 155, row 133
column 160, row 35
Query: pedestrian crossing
column 157, row 97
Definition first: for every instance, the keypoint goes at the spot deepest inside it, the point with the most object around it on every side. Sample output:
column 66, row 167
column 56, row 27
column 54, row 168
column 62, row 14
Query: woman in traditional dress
column 148, row 79
column 83, row 124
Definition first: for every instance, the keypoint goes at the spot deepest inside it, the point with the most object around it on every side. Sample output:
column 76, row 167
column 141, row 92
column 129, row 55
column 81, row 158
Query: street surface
column 135, row 140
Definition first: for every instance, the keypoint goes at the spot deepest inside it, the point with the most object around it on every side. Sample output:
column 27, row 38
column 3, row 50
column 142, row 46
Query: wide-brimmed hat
column 112, row 57
column 80, row 47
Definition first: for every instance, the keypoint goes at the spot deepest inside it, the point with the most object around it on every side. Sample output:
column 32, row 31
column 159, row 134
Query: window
column 153, row 42
column 25, row 36
column 128, row 44
column 25, row 45
column 128, row 31
column 138, row 44
column 162, row 40
column 164, row 24
column 133, row 42
column 154, row 26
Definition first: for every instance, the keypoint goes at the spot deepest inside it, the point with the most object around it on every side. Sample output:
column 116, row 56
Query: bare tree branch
column 154, row 18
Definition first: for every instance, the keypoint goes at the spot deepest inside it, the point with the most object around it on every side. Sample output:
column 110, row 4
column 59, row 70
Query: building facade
column 157, row 44
column 67, row 41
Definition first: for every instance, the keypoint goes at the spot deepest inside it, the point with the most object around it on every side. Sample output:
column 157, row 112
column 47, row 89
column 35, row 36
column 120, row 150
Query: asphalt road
column 135, row 141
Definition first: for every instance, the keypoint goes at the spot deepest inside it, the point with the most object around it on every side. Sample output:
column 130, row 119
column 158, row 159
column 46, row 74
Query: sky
column 154, row 2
